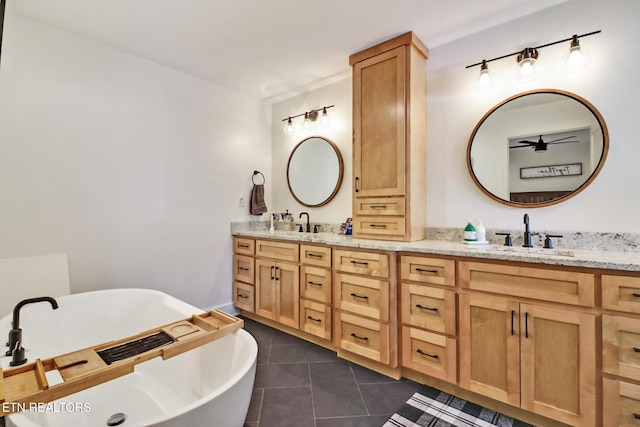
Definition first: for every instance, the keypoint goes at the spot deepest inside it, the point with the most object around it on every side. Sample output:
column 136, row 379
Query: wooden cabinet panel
column 433, row 271
column 380, row 206
column 368, row 338
column 315, row 318
column 431, row 354
column 280, row 251
column 559, row 364
column 379, row 226
column 365, row 263
column 621, row 346
column 315, row 255
column 621, row 293
column 490, row 347
column 621, row 403
column 277, row 292
column 548, row 285
column 429, row 308
column 315, row 284
column 243, row 246
column 243, row 268
column 361, row 295
column 243, row 296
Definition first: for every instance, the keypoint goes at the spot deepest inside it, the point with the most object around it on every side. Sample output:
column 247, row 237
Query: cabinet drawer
column 380, row 206
column 315, row 255
column 621, row 403
column 362, row 295
column 280, row 251
column 379, row 225
column 243, row 268
column 243, row 245
column 365, row 337
column 243, row 296
column 429, row 308
column 428, row 270
column 315, row 318
column 621, row 346
column 621, row 293
column 548, row 285
column 366, row 263
column 315, row 284
column 431, row 354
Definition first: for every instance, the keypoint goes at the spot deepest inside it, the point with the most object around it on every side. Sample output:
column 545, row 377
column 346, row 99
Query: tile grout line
column 313, row 403
column 359, row 391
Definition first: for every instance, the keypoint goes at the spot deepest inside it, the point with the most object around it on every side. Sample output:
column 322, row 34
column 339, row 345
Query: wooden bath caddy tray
column 89, row 367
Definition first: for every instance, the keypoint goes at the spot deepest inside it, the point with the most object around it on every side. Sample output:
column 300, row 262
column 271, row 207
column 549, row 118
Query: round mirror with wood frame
column 537, row 148
column 314, row 171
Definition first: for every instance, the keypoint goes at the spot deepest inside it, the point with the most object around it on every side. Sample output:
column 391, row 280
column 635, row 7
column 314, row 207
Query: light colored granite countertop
column 612, row 260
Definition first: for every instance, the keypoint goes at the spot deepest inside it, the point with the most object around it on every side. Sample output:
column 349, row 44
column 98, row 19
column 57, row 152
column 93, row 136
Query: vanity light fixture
column 310, row 117
column 575, row 59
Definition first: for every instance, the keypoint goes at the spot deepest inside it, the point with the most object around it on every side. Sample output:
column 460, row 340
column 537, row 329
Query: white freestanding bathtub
column 209, row 385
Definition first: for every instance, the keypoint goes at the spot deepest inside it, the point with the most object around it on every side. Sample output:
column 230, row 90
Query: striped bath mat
column 433, row 408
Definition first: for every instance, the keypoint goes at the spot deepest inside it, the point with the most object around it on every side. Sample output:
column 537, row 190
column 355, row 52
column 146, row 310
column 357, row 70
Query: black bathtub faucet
column 16, row 351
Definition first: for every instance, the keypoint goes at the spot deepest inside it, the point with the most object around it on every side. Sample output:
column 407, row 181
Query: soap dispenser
column 481, row 232
column 470, row 234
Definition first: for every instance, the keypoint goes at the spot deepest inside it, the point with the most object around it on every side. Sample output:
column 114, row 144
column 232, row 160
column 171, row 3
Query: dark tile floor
column 300, row 384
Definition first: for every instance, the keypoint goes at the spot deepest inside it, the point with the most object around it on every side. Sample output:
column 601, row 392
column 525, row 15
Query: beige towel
column 257, row 205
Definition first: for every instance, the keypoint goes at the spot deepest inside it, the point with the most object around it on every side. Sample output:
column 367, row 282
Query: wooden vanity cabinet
column 389, row 133
column 277, row 282
column 428, row 315
column 243, row 274
column 532, row 355
column 364, row 301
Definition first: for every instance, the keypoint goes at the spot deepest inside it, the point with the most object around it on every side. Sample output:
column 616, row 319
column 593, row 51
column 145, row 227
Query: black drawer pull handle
column 359, row 262
column 357, row 186
column 243, row 296
column 636, row 295
column 242, row 245
column 378, row 225
column 315, row 320
column 378, row 206
column 423, row 270
column 353, row 334
column 426, row 308
column 359, row 296
column 636, row 349
column 272, row 276
column 314, row 255
column 243, row 268
column 314, row 284
column 513, row 313
column 526, row 325
column 636, row 416
column 433, row 356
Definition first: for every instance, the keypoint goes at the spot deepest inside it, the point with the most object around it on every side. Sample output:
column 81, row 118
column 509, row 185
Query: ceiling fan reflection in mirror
column 541, row 145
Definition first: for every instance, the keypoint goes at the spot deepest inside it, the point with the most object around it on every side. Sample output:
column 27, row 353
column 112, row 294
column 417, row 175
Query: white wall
column 336, row 93
column 454, row 108
column 131, row 168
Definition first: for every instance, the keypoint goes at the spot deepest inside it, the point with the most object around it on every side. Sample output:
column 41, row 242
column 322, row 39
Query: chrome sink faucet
column 16, row 351
column 527, row 233
column 308, row 225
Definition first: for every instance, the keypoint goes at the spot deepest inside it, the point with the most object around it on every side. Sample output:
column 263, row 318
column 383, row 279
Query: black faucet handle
column 507, row 239
column 316, row 227
column 548, row 244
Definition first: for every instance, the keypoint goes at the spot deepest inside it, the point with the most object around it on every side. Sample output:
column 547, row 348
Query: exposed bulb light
column 324, row 119
column 307, row 122
column 485, row 80
column 527, row 70
column 288, row 127
column 577, row 57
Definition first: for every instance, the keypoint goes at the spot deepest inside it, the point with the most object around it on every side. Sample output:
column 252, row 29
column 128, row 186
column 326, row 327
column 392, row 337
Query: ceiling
column 266, row 48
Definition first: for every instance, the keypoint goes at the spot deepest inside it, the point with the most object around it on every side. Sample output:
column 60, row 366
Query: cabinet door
column 287, row 294
column 379, row 116
column 558, row 370
column 265, row 291
column 489, row 347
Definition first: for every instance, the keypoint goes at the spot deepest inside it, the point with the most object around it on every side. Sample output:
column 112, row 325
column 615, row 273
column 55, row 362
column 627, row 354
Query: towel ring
column 254, row 176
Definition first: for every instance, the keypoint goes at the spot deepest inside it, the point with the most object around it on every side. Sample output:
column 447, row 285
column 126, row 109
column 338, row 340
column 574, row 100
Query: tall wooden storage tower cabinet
column 389, row 139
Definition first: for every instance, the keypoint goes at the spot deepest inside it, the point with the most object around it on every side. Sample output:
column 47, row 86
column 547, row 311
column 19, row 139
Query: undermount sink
column 528, row 251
